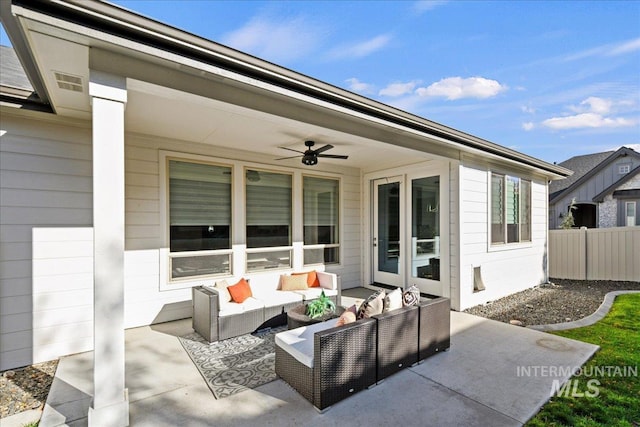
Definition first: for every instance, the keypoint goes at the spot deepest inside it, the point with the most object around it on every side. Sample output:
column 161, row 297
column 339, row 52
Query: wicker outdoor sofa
column 326, row 364
column 215, row 321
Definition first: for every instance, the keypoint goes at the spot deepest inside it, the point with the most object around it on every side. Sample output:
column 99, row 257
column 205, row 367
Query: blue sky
column 550, row 79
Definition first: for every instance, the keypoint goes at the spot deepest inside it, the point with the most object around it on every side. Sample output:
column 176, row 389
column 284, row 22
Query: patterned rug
column 236, row 364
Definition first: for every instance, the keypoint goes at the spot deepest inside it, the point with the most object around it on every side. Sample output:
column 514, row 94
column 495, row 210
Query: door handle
column 374, row 242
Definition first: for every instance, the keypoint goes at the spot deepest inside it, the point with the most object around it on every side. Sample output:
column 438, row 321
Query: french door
column 428, row 242
column 410, row 231
column 388, row 242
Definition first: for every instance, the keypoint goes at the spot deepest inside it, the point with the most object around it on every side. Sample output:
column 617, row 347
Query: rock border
column 598, row 315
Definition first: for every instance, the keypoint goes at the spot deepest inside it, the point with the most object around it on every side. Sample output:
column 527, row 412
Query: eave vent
column 68, row 81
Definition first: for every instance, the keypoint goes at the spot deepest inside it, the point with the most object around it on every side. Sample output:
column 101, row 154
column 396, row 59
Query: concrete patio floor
column 475, row 383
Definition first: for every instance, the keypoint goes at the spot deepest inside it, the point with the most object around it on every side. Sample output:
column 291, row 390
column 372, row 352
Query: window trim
column 494, row 247
column 238, row 213
column 268, row 249
column 624, row 169
column 165, row 253
column 340, row 220
column 635, row 213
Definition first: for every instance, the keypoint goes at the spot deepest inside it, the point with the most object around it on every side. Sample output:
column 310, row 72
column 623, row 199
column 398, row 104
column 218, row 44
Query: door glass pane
column 389, row 227
column 425, row 228
column 631, row 213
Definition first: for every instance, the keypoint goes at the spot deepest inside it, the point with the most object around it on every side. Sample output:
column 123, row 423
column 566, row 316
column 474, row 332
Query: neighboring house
column 146, row 163
column 606, row 189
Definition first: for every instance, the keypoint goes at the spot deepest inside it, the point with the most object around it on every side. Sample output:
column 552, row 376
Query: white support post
column 110, row 405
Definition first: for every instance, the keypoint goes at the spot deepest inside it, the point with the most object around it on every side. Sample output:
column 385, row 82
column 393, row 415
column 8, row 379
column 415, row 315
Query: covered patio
column 478, row 382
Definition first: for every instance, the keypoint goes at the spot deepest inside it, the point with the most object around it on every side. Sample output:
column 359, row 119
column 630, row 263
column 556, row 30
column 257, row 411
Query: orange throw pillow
column 312, row 278
column 240, row 291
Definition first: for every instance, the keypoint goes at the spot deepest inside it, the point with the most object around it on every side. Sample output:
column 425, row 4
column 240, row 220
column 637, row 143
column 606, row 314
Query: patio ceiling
column 167, row 113
column 157, row 110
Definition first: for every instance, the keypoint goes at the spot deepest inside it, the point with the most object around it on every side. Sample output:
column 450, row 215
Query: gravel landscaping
column 561, row 301
column 25, row 388
column 557, row 302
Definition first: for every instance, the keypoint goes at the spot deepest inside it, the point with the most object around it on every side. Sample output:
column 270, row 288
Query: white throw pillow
column 222, row 286
column 393, row 300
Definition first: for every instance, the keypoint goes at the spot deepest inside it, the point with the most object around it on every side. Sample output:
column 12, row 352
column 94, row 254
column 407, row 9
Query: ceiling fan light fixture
column 309, row 160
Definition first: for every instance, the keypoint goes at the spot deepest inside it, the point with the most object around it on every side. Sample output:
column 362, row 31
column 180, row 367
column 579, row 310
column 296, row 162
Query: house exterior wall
column 144, row 231
column 609, row 211
column 46, row 264
column 46, row 245
column 505, row 269
column 588, row 190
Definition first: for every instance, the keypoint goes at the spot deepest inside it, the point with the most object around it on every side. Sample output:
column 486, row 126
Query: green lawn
column 618, row 401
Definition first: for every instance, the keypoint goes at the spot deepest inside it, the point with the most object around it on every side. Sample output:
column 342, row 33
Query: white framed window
column 321, row 218
column 269, row 207
column 199, row 219
column 510, row 209
column 624, row 169
column 630, row 213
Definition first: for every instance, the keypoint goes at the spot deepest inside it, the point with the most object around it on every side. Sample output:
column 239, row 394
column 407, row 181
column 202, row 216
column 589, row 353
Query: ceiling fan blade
column 291, row 149
column 323, row 149
column 285, row 158
column 333, row 156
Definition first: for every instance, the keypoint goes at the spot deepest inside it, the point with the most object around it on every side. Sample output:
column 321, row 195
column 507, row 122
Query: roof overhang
column 92, row 34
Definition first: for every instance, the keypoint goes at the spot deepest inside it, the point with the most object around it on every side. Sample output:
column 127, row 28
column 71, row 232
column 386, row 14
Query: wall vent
column 68, row 81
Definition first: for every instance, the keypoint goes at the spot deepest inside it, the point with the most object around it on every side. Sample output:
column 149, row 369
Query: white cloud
column 593, row 112
column 356, row 85
column 528, row 126
column 360, row 49
column 527, row 109
column 626, row 47
column 398, row 89
column 613, row 49
column 426, row 5
column 594, row 104
column 587, row 120
column 277, row 41
column 453, row 88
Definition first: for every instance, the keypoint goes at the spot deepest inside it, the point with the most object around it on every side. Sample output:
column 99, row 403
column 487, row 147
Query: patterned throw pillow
column 372, row 305
column 411, row 296
column 393, row 300
column 296, row 282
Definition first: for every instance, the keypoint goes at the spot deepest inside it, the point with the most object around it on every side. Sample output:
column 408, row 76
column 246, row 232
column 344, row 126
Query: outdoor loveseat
column 216, row 320
column 327, row 363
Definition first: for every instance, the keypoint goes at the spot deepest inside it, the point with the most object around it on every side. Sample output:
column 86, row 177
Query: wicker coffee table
column 296, row 317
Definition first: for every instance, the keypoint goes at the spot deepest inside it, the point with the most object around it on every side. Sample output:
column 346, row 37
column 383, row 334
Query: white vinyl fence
column 595, row 254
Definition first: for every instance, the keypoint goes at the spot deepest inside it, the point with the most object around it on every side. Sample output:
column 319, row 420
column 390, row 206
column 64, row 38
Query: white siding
column 45, row 282
column 46, row 268
column 505, row 269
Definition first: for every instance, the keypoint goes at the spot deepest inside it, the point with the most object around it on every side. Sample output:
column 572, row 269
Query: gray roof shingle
column 11, row 72
column 580, row 165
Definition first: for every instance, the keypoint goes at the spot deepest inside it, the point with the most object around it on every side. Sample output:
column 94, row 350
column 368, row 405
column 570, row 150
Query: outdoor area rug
column 236, row 364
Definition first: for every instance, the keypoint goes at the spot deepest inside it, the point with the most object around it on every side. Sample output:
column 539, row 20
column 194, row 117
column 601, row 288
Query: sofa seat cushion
column 232, row 308
column 299, row 342
column 313, row 293
column 278, row 298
